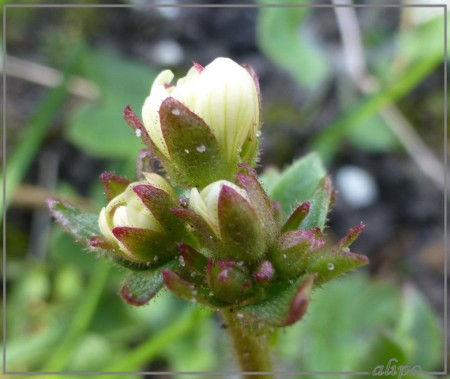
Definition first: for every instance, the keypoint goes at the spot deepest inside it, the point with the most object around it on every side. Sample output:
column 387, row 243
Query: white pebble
column 357, row 186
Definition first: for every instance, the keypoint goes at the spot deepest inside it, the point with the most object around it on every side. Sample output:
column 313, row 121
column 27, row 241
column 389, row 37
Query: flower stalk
column 252, row 350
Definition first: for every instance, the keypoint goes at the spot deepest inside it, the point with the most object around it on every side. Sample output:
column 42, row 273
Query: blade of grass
column 148, row 350
column 327, row 143
column 80, row 321
column 24, row 152
column 143, row 354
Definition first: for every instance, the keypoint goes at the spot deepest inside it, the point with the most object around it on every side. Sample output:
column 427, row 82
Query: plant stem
column 252, row 350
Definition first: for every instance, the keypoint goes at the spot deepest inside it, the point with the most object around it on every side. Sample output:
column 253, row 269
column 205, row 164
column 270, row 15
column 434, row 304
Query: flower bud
column 229, row 280
column 223, row 98
column 129, row 222
column 227, row 210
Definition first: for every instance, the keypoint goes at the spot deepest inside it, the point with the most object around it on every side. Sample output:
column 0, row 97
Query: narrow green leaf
column 320, row 206
column 25, row 151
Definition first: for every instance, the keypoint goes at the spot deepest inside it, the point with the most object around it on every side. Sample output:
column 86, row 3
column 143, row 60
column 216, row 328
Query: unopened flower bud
column 224, row 101
column 227, row 210
column 228, row 280
column 127, row 218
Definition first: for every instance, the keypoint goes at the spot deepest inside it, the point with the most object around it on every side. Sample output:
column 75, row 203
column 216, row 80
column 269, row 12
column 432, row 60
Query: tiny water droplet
column 291, row 281
column 186, row 151
column 194, row 292
column 330, row 266
column 284, row 256
column 346, row 249
column 239, row 315
column 138, row 132
column 176, row 112
column 201, row 148
column 210, row 293
column 239, row 150
column 193, row 274
column 258, row 133
column 155, row 259
column 182, row 263
column 148, row 263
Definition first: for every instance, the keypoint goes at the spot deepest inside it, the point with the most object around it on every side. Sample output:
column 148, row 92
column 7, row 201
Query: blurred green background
column 362, row 86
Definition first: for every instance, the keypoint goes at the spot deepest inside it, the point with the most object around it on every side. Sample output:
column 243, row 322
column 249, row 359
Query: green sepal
column 297, row 217
column 140, row 287
column 145, row 245
column 286, row 303
column 320, row 206
column 160, row 203
column 241, row 232
column 114, row 184
column 259, row 200
column 293, row 251
column 188, row 290
column 193, row 259
column 195, row 156
column 330, row 265
column 200, row 229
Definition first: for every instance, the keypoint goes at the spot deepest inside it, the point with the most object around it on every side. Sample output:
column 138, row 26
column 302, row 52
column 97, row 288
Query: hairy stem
column 252, row 350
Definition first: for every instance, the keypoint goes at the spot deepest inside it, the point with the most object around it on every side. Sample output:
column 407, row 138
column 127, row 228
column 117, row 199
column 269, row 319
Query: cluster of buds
column 209, row 232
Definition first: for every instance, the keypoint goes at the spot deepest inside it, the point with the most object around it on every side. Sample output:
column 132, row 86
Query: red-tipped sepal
column 160, row 203
column 114, row 184
column 286, row 303
column 135, row 123
column 145, row 245
column 293, row 251
column 297, row 217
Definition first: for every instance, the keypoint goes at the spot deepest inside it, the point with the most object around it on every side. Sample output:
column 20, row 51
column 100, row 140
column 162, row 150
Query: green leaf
column 420, row 330
column 279, row 38
column 384, row 347
column 83, row 226
column 99, row 128
column 297, row 183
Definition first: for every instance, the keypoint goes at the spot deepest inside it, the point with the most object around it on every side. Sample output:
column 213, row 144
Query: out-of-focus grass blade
column 327, row 143
column 26, row 149
column 420, row 65
column 82, row 318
